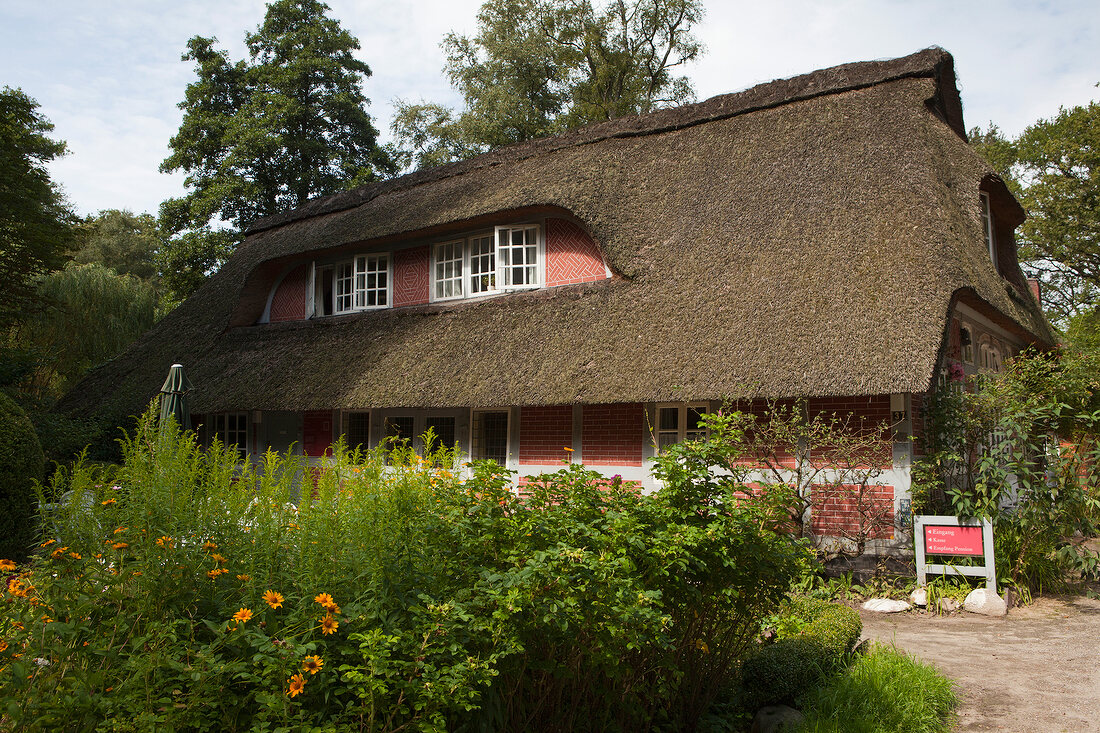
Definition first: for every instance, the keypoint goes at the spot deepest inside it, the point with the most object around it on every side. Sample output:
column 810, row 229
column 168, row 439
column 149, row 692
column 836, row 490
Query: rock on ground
column 775, row 719
column 919, row 597
column 985, row 602
column 885, row 605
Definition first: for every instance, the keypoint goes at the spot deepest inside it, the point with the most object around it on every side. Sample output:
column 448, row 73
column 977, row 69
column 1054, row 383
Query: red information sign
column 948, row 540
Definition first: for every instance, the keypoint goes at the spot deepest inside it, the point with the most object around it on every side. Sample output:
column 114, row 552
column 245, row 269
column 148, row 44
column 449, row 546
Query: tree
column 1054, row 168
column 267, row 134
column 35, row 222
column 538, row 67
column 127, row 243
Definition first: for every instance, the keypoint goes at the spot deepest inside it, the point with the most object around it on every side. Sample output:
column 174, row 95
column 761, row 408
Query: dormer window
column 361, row 283
column 987, row 227
column 509, row 258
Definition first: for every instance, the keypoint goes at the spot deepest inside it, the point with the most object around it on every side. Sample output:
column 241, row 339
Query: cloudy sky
column 109, row 75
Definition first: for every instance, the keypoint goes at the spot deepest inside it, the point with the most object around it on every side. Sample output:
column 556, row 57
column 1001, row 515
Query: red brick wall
column 837, row 512
column 289, row 302
column 410, row 276
column 316, row 432
column 613, row 435
column 544, row 433
column 571, row 255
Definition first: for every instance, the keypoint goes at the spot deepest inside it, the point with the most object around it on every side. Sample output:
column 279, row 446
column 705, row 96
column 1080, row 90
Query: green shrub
column 883, row 691
column 834, row 629
column 183, row 591
column 781, row 672
column 21, row 464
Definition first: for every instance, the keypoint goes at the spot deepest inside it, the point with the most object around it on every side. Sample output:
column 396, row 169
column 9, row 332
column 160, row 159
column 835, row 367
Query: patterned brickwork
column 571, row 255
column 289, row 303
column 410, row 276
column 544, row 433
column 613, row 435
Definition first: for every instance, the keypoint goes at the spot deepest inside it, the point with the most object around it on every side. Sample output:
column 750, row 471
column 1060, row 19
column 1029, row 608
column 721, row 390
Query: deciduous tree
column 538, row 67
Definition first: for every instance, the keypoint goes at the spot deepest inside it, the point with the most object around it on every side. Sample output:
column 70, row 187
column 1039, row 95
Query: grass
column 883, row 691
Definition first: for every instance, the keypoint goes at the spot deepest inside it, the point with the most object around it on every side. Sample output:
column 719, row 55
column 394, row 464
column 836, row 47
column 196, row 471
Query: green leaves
column 539, row 67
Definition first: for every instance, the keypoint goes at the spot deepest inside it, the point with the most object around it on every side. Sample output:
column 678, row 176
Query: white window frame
column 987, row 226
column 439, row 261
column 220, row 431
column 681, row 432
column 470, row 281
column 350, row 283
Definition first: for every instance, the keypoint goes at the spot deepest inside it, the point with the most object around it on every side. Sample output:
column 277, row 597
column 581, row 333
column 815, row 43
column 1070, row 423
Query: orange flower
column 7, row 565
column 311, row 664
column 329, row 624
column 74, row 555
column 273, row 599
column 109, row 502
column 47, row 543
column 165, row 541
column 568, row 449
column 215, row 573
column 120, row 545
column 324, row 599
column 297, row 684
column 220, row 559
column 58, row 552
column 209, row 545
column 120, row 529
column 242, row 616
column 3, row 645
column 18, row 625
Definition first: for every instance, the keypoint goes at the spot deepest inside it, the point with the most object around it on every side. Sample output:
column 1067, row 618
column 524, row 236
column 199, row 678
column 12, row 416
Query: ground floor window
column 356, row 430
column 231, row 428
column 490, row 435
column 677, row 423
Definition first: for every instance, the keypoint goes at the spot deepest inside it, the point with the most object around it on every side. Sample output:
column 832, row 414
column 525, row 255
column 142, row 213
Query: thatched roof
column 803, row 237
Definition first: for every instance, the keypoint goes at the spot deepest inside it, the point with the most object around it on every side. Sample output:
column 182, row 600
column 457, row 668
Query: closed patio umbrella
column 173, row 398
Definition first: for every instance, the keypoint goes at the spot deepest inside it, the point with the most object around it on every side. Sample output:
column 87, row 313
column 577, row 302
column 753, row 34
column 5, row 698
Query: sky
column 109, row 75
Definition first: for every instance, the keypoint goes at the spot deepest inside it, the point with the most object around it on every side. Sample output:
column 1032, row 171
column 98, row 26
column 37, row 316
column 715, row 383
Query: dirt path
column 1035, row 671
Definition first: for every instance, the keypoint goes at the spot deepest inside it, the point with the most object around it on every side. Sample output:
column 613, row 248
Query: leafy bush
column 824, row 635
column 883, row 691
column 181, row 590
column 21, row 464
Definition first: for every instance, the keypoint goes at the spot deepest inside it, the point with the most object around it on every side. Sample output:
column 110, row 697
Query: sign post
column 940, row 535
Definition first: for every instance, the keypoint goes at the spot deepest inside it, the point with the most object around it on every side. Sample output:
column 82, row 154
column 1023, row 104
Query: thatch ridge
column 929, row 62
column 811, row 247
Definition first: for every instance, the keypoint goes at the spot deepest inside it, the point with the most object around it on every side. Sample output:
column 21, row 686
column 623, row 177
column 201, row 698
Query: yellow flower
column 273, row 599
column 7, row 565
column 243, row 615
column 3, row 645
column 568, row 449
column 332, row 608
column 216, row 572
column 47, row 543
column 109, row 502
column 244, row 577
column 311, row 664
column 165, row 541
column 121, row 529
column 209, row 545
column 220, row 559
column 58, row 552
column 329, row 624
column 74, row 555
column 297, row 684
column 120, row 545
column 324, row 599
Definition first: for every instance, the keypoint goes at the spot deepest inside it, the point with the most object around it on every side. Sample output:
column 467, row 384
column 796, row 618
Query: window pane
column 400, row 427
column 357, row 432
column 490, row 436
column 482, row 265
column 669, row 419
column 448, row 270
column 517, row 251
column 444, row 428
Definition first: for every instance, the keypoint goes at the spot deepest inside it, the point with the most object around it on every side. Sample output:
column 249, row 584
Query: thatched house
column 830, row 236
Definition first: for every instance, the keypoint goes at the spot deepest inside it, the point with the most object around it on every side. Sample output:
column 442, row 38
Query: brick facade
column 544, row 433
column 571, row 255
column 613, row 435
column 289, row 301
column 845, row 512
column 411, row 276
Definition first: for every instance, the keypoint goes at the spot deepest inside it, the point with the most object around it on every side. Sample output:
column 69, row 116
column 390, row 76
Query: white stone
column 776, row 718
column 919, row 597
column 885, row 605
column 985, row 602
column 948, row 605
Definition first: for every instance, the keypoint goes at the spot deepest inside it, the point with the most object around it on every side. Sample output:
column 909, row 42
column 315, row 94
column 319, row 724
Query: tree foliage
column 125, row 242
column 268, row 133
column 93, row 314
column 35, row 222
column 1054, row 168
column 538, row 67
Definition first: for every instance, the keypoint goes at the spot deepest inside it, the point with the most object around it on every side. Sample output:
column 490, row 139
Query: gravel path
column 1036, row 670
